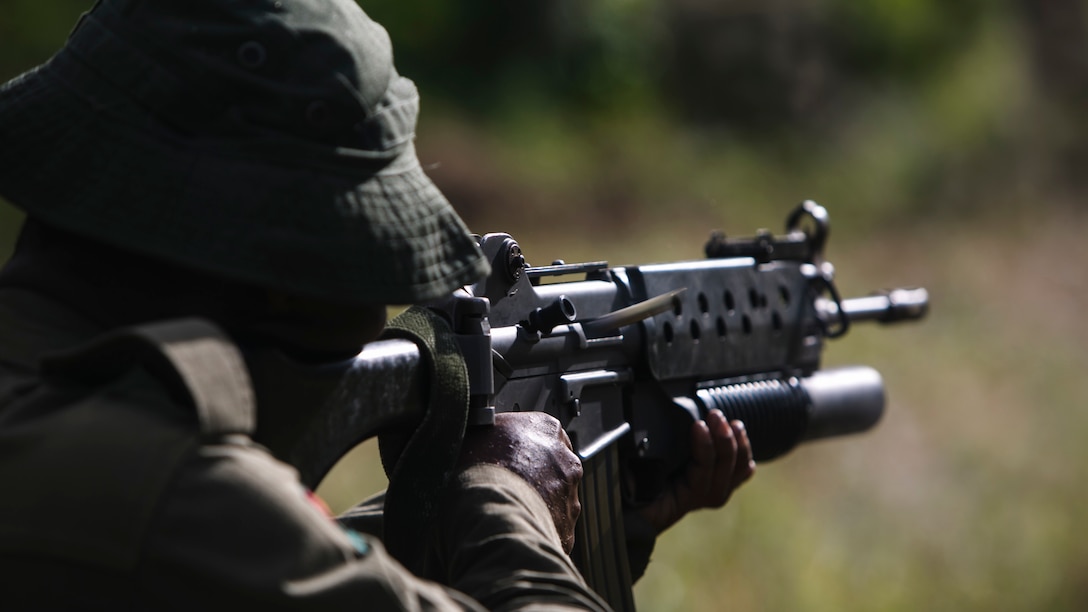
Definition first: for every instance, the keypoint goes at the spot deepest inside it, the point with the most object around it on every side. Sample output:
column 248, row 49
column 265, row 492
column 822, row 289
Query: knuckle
column 750, row 470
column 575, row 473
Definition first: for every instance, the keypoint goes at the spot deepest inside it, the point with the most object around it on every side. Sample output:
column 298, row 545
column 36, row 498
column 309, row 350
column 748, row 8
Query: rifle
column 626, row 357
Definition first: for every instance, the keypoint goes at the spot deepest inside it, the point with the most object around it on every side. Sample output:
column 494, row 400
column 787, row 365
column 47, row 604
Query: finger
column 573, row 471
column 725, row 440
column 574, row 509
column 725, row 448
column 702, row 446
column 689, row 491
column 745, row 465
column 565, row 438
column 566, row 524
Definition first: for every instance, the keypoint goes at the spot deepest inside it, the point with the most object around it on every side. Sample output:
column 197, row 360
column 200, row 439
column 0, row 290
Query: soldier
column 203, row 180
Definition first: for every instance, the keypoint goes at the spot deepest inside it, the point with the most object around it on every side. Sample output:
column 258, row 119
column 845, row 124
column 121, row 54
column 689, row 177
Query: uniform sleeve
column 497, row 542
column 238, row 529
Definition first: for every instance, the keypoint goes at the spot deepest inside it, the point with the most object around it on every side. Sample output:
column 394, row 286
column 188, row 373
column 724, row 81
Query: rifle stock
column 626, row 357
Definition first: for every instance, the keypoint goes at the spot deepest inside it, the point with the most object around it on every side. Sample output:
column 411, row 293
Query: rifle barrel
column 894, row 306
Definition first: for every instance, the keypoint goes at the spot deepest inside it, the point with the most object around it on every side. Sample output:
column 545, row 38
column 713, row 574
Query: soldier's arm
column 237, row 527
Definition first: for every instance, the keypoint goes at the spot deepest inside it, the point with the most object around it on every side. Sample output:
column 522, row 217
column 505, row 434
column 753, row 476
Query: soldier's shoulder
column 189, row 363
column 104, row 433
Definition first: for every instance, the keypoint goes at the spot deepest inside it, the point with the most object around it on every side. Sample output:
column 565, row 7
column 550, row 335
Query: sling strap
column 191, row 355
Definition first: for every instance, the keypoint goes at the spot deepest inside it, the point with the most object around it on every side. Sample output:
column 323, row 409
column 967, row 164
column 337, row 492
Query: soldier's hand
column 534, row 446
column 721, row 461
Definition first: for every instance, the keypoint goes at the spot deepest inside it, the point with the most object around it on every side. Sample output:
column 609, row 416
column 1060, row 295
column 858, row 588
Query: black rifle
column 626, row 357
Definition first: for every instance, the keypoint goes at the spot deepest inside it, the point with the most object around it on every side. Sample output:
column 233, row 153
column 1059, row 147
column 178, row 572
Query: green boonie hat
column 264, row 141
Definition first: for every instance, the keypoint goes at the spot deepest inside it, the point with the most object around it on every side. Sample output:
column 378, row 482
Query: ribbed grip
column 774, row 412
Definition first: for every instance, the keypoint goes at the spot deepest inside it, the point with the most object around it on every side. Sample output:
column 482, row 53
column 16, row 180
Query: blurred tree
column 480, row 55
column 1058, row 39
column 574, row 83
column 901, row 39
column 757, row 66
column 752, row 65
column 747, row 64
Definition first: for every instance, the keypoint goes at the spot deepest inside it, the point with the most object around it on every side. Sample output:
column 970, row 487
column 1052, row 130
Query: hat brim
column 102, row 167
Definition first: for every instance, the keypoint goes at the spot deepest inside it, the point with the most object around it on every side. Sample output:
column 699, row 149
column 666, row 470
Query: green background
column 947, row 140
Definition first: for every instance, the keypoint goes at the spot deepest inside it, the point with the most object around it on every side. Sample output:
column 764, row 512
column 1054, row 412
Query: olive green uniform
column 130, row 483
column 258, row 144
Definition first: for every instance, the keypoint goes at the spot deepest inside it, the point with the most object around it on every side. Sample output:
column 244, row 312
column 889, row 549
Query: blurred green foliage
column 481, row 55
column 31, row 31
column 947, row 139
column 620, row 108
column 900, row 39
